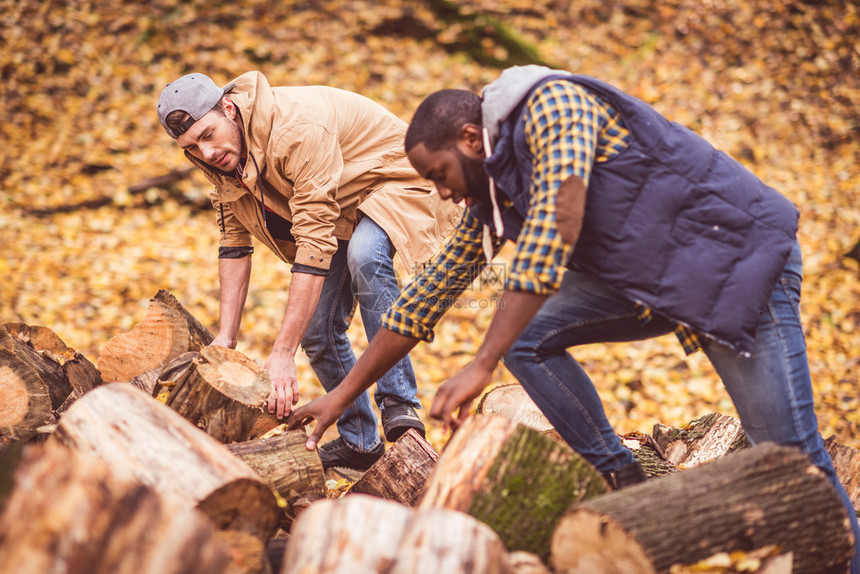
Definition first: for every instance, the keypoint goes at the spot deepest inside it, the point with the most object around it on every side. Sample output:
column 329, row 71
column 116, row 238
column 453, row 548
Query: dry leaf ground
column 774, row 84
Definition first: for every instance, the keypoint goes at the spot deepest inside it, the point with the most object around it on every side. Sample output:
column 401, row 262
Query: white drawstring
column 487, row 241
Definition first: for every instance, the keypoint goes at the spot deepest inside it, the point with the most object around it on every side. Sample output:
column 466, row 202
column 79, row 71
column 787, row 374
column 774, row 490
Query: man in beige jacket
column 319, row 176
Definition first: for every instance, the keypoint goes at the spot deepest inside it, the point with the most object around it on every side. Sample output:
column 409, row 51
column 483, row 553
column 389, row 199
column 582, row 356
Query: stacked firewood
column 162, row 460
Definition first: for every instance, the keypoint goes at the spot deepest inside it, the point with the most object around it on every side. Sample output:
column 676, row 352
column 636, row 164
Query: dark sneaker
column 337, row 453
column 627, row 475
column 397, row 418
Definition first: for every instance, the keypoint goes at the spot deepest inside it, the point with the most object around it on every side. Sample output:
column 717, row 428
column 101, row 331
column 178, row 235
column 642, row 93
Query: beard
column 476, row 180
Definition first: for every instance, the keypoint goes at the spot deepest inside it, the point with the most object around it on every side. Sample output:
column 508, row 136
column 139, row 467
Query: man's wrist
column 487, row 358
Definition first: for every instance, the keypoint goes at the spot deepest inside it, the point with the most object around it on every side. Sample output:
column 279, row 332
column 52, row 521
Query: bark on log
column 649, row 454
column 846, row 461
column 167, row 331
column 439, row 540
column 132, row 432
column 329, row 538
column 402, row 472
column 289, row 469
column 707, row 438
column 68, row 513
column 326, row 539
column 222, row 392
column 81, row 375
column 513, row 478
column 761, row 496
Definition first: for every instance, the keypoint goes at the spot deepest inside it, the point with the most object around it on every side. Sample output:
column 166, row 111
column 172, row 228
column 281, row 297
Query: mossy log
column 222, row 392
column 513, row 478
column 704, row 439
column 69, row 513
column 132, row 432
column 289, row 469
column 648, row 453
column 327, row 538
column 402, row 472
column 167, row 331
column 761, row 496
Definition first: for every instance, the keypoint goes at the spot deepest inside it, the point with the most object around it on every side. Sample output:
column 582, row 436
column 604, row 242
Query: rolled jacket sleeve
column 312, row 160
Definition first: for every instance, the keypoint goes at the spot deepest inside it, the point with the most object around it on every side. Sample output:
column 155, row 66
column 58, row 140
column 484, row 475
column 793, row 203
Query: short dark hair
column 440, row 117
column 177, row 117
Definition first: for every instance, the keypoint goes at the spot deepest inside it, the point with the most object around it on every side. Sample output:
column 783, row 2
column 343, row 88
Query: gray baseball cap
column 194, row 94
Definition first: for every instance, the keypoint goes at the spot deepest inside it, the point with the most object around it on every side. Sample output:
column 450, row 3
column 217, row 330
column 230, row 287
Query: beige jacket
column 317, row 156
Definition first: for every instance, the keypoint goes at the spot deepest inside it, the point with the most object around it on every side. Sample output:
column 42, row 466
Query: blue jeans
column 362, row 269
column 772, row 390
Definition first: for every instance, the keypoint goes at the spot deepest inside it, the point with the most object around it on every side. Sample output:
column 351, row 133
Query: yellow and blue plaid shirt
column 567, row 129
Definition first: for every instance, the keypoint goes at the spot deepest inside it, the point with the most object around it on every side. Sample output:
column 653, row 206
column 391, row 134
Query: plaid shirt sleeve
column 434, row 290
column 567, row 129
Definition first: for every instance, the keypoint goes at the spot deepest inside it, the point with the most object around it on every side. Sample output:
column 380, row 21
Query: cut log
column 247, row 552
column 758, row 497
column 513, row 478
column 68, row 513
column 81, row 375
column 512, row 402
column 846, row 461
column 401, row 473
column 132, row 432
column 527, row 563
column 167, row 331
column 649, row 454
column 31, row 387
column 222, row 392
column 707, row 438
column 329, row 538
column 352, row 534
column 289, row 469
column 438, row 540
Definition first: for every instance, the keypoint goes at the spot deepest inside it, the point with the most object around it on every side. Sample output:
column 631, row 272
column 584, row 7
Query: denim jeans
column 772, row 390
column 362, row 269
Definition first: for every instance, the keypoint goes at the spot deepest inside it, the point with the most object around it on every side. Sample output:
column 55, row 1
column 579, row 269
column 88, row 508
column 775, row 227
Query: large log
column 512, row 402
column 513, row 478
column 704, row 439
column 758, row 497
column 132, row 432
column 68, row 513
column 289, row 469
column 167, row 331
column 329, row 538
column 402, row 472
column 222, row 392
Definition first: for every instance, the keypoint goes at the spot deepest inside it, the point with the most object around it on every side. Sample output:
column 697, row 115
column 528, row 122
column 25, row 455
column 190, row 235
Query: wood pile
column 173, row 448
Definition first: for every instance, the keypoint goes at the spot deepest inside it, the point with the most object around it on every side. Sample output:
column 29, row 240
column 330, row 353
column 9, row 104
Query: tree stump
column 761, row 496
column 167, row 331
column 846, row 461
column 222, row 392
column 329, row 538
column 68, row 513
column 132, row 432
column 401, row 473
column 707, row 438
column 78, row 371
column 513, row 478
column 352, row 534
column 289, row 469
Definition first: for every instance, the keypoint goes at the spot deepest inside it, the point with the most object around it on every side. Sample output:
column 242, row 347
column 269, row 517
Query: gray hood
column 503, row 95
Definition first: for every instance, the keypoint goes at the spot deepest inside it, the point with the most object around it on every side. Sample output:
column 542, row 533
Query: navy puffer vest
column 671, row 222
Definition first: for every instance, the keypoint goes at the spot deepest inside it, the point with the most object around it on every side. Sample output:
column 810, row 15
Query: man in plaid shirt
column 627, row 226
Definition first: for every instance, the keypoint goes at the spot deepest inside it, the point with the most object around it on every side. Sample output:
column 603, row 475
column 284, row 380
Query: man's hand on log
column 458, row 392
column 285, row 386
